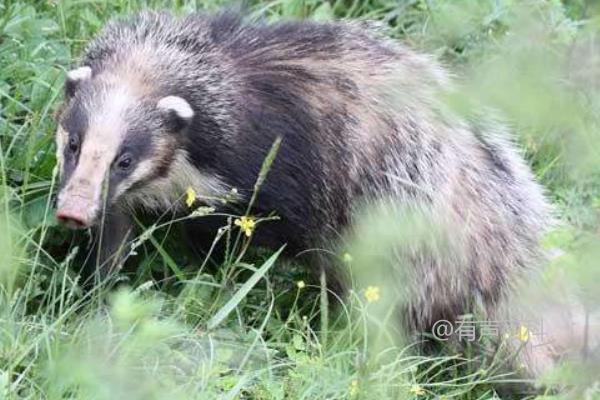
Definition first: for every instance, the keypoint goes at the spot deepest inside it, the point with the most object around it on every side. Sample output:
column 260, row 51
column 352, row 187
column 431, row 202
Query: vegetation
column 258, row 327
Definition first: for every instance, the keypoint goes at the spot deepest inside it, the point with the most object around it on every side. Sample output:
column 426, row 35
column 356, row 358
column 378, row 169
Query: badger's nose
column 75, row 212
column 72, row 219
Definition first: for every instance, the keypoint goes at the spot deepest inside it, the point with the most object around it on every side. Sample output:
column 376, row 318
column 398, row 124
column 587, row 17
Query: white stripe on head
column 113, row 107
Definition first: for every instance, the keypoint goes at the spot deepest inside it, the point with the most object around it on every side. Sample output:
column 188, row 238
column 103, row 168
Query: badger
column 162, row 103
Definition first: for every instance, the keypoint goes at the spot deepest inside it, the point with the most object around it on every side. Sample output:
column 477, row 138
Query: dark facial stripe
column 75, row 121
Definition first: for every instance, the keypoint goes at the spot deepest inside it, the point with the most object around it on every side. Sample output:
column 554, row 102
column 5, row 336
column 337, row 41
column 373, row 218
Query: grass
column 257, row 327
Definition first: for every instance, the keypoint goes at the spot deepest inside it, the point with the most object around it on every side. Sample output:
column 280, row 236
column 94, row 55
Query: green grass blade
column 243, row 291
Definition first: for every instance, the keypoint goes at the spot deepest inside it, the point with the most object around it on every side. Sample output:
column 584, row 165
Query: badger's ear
column 178, row 112
column 75, row 77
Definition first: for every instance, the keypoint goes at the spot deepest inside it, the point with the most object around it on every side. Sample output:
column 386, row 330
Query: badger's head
column 113, row 136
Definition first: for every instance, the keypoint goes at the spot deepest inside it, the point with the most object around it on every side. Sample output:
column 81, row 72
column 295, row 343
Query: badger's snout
column 71, row 220
column 76, row 211
column 81, row 198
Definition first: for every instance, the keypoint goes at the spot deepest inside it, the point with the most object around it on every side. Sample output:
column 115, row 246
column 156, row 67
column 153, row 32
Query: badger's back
column 359, row 120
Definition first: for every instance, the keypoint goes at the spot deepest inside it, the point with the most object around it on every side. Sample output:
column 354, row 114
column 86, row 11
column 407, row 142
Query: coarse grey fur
column 360, row 120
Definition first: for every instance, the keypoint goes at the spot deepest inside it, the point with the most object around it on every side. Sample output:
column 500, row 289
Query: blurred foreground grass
column 200, row 334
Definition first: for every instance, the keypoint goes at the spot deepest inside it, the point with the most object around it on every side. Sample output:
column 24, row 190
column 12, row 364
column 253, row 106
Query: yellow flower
column 190, row 196
column 417, row 390
column 246, row 224
column 301, row 284
column 353, row 388
column 523, row 334
column 372, row 294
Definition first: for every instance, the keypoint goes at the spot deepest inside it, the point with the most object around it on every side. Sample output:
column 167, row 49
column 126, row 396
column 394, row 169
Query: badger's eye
column 73, row 144
column 124, row 162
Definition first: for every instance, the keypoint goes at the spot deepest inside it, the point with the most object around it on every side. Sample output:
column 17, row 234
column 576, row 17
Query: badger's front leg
column 110, row 241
